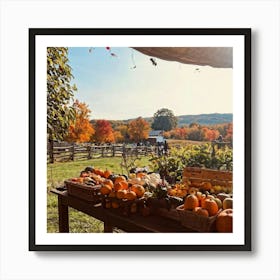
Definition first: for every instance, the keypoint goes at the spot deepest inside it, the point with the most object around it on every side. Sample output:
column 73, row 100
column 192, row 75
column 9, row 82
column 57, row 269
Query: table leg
column 108, row 226
column 63, row 216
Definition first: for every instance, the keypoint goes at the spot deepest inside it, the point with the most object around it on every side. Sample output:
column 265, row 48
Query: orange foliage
column 81, row 129
column 103, row 132
column 179, row 133
column 229, row 132
column 123, row 129
column 210, row 134
column 201, row 133
column 118, row 136
column 138, row 129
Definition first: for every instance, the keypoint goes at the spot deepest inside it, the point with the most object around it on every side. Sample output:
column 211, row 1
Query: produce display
column 144, row 193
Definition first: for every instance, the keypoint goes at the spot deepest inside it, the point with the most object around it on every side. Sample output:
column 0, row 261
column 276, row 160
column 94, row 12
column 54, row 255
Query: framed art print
column 140, row 139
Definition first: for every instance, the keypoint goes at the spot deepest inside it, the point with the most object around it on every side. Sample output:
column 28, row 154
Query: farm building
column 156, row 136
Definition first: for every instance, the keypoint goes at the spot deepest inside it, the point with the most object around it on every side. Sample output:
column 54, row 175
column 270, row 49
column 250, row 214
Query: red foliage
column 103, row 132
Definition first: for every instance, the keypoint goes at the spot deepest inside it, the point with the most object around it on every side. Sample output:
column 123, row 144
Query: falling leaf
column 153, row 61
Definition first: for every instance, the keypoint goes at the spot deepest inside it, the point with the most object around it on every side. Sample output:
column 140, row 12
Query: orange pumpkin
column 121, row 194
column 172, row 191
column 138, row 189
column 99, row 172
column 191, row 201
column 130, row 195
column 211, row 206
column 80, row 180
column 108, row 182
column 193, row 190
column 201, row 211
column 107, row 173
column 140, row 175
column 122, row 185
column 224, row 221
column 112, row 194
column 119, row 179
column 204, row 197
column 105, row 189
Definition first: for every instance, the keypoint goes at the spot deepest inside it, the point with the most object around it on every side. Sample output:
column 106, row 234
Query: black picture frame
column 246, row 32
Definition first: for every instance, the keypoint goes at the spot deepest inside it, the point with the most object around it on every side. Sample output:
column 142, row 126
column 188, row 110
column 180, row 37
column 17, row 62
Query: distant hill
column 183, row 120
column 204, row 119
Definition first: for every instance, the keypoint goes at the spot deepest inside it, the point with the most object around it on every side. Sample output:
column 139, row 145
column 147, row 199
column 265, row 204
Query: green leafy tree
column 164, row 119
column 59, row 93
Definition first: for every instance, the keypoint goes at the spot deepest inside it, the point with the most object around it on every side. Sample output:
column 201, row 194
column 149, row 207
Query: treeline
column 82, row 129
column 197, row 132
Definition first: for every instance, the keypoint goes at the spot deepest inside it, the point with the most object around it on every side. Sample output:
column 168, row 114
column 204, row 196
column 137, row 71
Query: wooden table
column 111, row 219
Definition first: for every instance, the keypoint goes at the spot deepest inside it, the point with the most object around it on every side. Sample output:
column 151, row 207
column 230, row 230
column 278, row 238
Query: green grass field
column 182, row 143
column 58, row 172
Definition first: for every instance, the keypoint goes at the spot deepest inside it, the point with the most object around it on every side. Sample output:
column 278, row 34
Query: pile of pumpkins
column 209, row 205
column 119, row 187
column 132, row 188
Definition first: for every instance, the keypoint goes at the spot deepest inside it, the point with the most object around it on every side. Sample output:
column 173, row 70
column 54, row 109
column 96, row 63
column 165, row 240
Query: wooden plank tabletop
column 131, row 223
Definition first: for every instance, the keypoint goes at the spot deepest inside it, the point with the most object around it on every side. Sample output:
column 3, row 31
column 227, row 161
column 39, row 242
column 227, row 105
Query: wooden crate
column 122, row 206
column 161, row 208
column 215, row 177
column 83, row 191
column 196, row 222
column 168, row 213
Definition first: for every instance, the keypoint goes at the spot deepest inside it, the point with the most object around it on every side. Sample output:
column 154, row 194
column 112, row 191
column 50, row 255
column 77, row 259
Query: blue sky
column 114, row 89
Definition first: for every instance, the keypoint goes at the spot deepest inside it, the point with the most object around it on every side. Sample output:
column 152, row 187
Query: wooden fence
column 71, row 152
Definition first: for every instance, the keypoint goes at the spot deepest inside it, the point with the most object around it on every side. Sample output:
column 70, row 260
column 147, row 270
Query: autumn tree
column 195, row 133
column 123, row 129
column 81, row 129
column 59, row 93
column 103, row 132
column 164, row 119
column 138, row 129
column 179, row 133
column 210, row 134
column 229, row 132
column 118, row 137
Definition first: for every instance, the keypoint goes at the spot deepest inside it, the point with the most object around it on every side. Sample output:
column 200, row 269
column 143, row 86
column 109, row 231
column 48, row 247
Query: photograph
column 140, row 139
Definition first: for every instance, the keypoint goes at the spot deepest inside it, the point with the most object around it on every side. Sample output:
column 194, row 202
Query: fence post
column 51, row 151
column 89, row 151
column 73, row 152
column 113, row 151
column 123, row 150
column 102, row 151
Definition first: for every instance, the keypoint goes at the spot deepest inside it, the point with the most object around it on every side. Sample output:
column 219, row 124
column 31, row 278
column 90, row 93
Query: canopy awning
column 220, row 57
